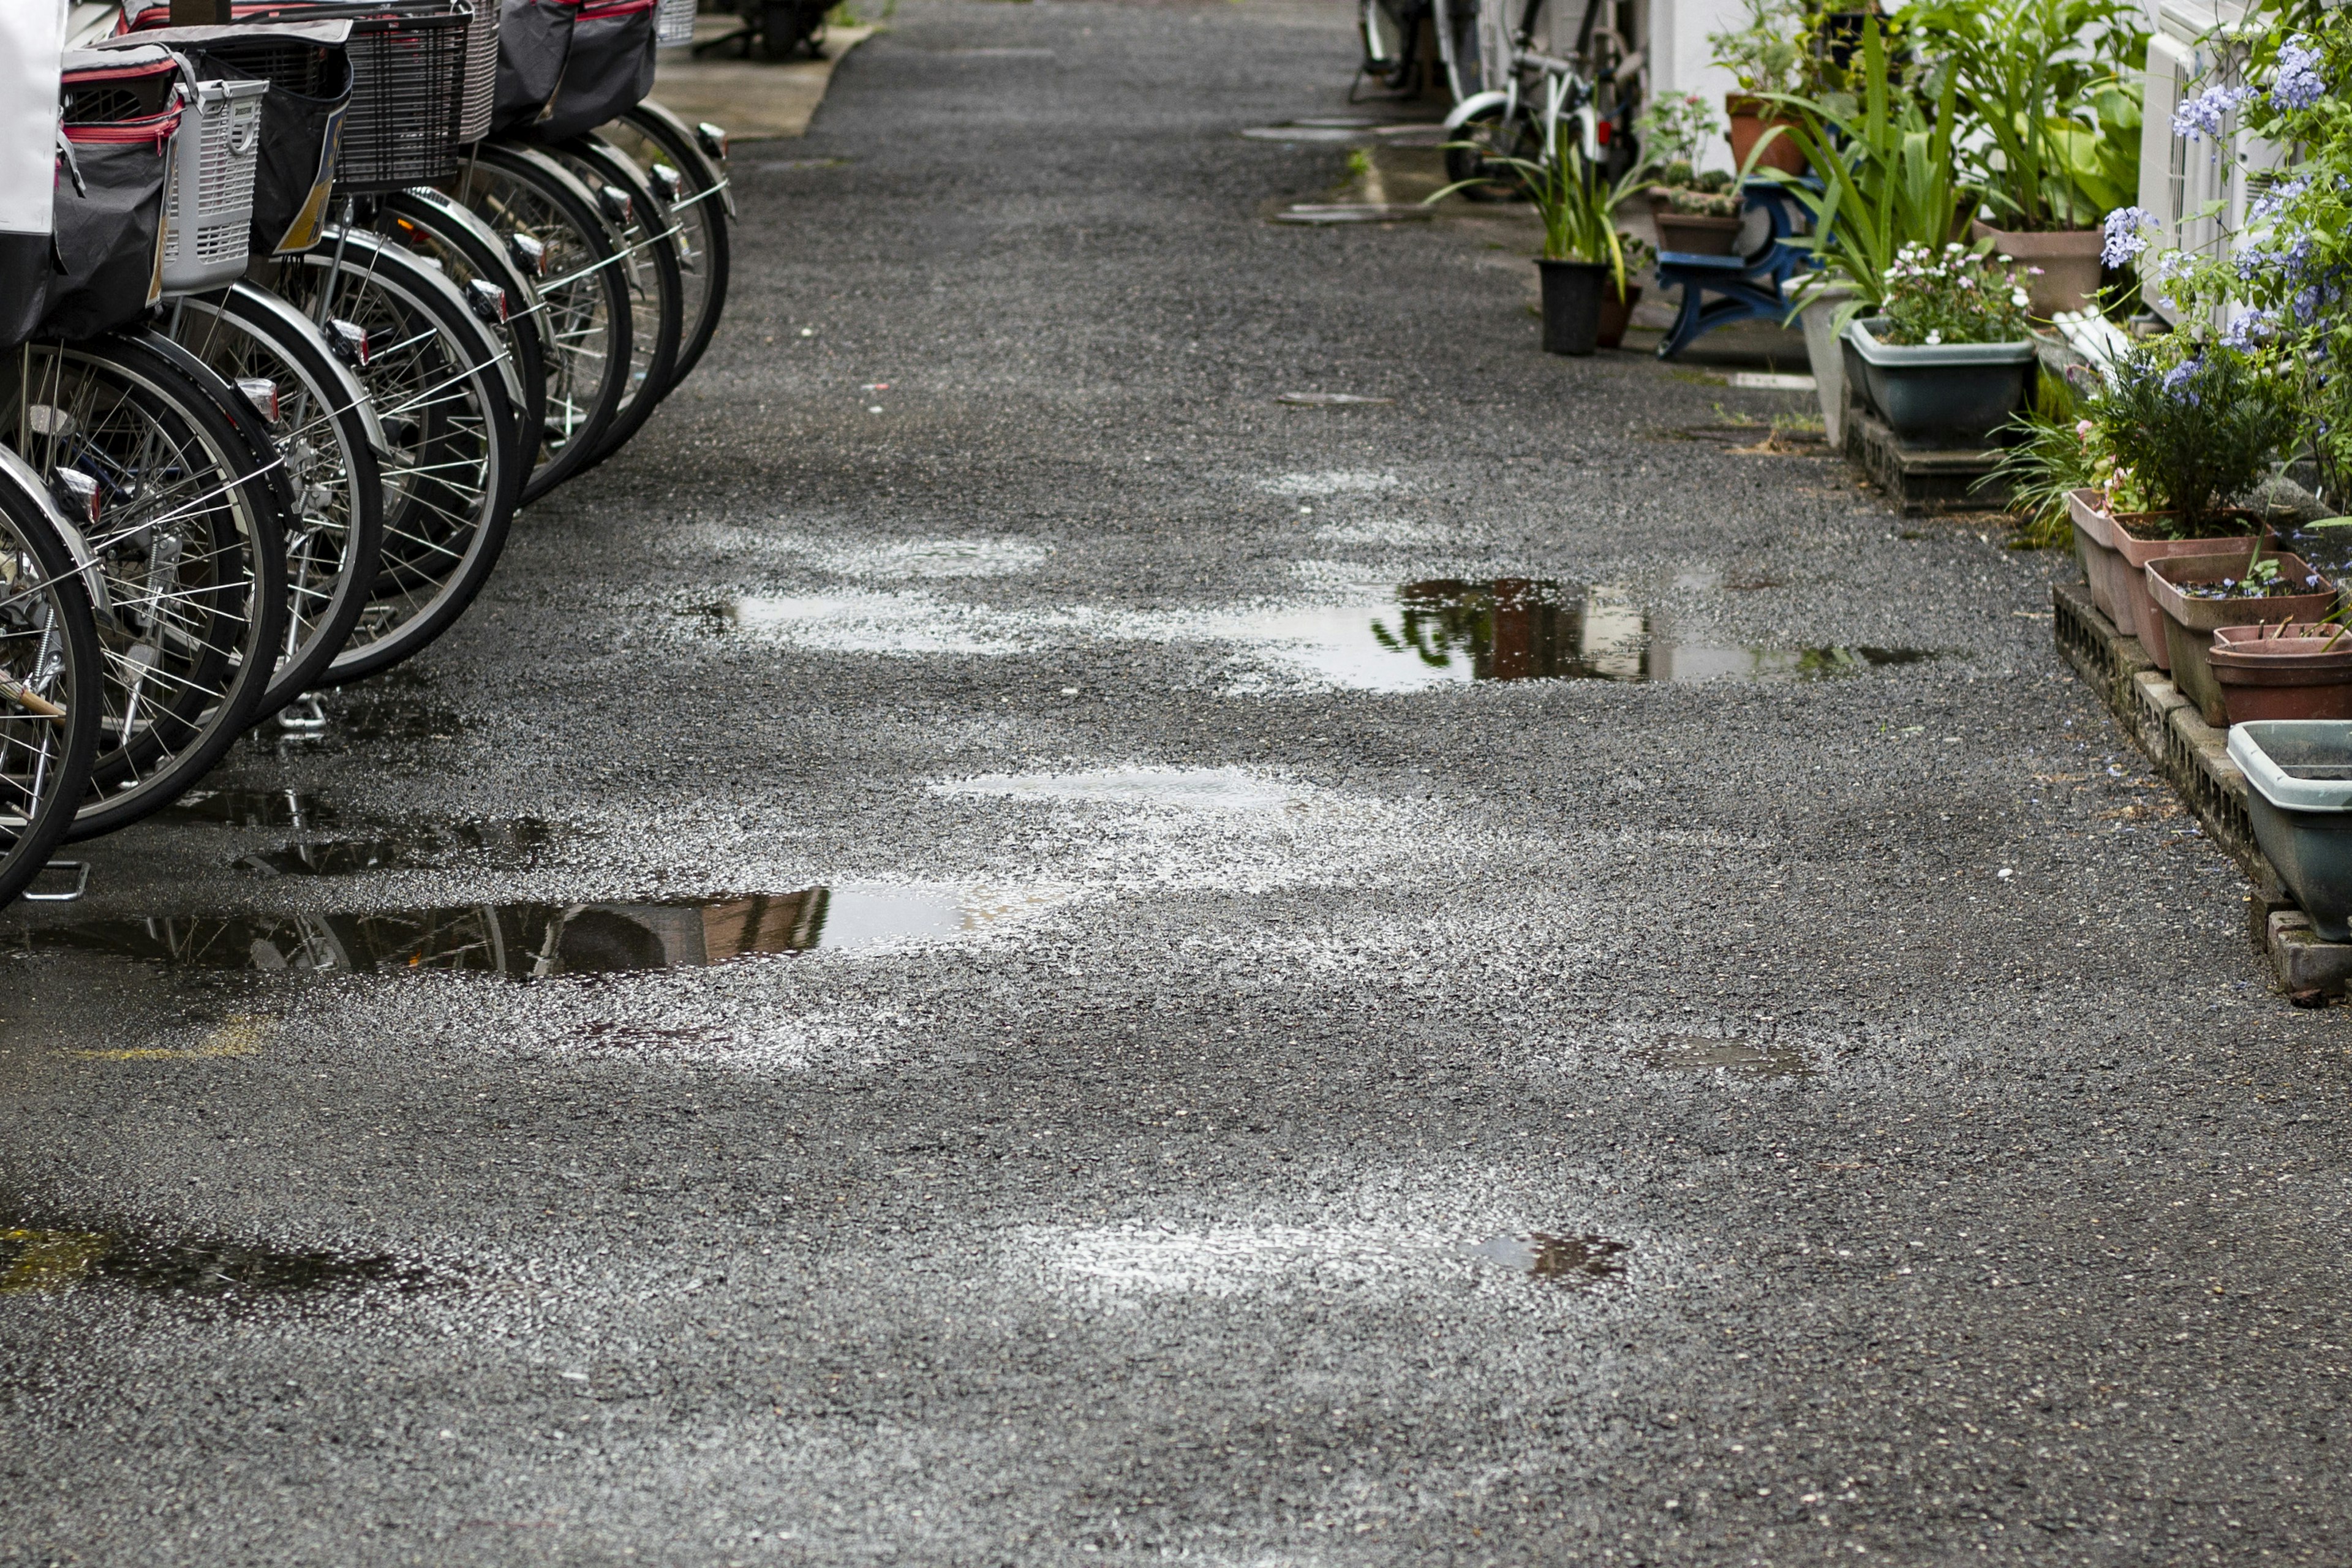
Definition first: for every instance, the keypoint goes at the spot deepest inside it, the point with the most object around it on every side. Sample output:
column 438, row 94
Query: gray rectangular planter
column 2299, row 797
column 1947, row 394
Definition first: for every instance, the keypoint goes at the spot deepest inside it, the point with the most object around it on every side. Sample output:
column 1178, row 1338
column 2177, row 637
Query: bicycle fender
column 85, row 559
column 1472, row 107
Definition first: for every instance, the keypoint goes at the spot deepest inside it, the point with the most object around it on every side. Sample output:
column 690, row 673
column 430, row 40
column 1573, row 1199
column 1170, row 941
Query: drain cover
column 1328, row 399
column 1353, row 212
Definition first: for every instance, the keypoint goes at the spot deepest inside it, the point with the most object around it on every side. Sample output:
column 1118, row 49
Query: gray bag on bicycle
column 107, row 232
column 309, row 77
column 611, row 68
column 534, row 40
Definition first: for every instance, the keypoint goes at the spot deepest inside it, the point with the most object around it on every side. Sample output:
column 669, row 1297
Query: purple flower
column 2127, row 235
column 2298, row 84
column 2247, row 331
column 2202, row 115
column 2177, row 380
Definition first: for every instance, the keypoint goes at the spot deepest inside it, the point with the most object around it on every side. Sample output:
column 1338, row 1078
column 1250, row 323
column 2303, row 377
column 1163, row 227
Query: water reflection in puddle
column 237, row 807
column 1571, row 1259
column 532, row 940
column 1447, row 629
column 497, row 846
column 40, row 1259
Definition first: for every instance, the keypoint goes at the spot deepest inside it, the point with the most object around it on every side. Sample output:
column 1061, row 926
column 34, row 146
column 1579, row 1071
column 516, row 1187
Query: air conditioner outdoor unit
column 2179, row 178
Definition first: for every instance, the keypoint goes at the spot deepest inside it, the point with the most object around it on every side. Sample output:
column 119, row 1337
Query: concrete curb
column 2194, row 759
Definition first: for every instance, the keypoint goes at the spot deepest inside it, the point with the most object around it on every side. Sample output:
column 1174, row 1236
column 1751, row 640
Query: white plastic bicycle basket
column 674, row 23
column 208, row 201
column 481, row 72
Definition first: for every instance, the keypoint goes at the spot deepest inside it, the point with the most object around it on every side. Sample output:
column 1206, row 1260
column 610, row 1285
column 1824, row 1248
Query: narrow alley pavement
column 1216, row 1072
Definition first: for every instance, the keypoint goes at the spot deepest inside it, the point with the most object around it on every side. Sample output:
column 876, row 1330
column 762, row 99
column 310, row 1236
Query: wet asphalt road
column 1132, row 1171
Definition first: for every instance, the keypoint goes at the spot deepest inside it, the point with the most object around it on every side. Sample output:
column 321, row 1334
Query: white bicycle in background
column 1469, row 47
column 1524, row 94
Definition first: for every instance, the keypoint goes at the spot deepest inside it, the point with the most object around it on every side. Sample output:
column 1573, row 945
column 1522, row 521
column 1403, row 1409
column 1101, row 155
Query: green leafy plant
column 1956, row 295
column 2280, row 283
column 1884, row 160
column 2049, row 459
column 1769, row 54
column 1678, row 128
column 1576, row 207
column 2050, row 89
column 2189, row 426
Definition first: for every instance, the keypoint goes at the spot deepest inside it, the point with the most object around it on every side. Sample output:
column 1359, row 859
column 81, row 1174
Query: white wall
column 1680, row 58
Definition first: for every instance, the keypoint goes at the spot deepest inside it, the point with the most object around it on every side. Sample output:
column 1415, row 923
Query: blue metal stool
column 1744, row 287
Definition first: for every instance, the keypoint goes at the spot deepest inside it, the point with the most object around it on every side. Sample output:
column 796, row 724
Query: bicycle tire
column 585, row 326
column 187, row 639
column 649, row 134
column 656, row 288
column 327, row 436
column 451, row 483
column 441, row 229
column 48, row 653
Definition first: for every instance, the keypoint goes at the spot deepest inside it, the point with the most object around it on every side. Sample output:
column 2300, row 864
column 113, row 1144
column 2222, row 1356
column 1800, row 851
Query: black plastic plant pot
column 1571, row 304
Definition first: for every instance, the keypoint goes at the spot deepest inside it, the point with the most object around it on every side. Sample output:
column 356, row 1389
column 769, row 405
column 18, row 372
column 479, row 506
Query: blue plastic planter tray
column 2299, row 772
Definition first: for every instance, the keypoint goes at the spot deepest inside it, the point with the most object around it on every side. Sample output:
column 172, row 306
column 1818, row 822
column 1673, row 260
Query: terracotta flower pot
column 2284, row 672
column 2069, row 259
column 2134, row 554
column 1617, row 313
column 2095, row 546
column 1692, row 234
column 1749, row 119
column 2189, row 621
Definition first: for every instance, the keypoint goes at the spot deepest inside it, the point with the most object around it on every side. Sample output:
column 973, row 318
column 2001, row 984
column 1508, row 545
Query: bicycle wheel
column 470, row 256
column 50, row 668
column 186, row 536
column 527, row 197
column 700, row 205
column 325, row 431
column 451, row 476
column 1478, row 151
column 641, row 231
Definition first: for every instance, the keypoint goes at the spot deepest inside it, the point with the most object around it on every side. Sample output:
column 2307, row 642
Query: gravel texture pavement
column 1255, row 1095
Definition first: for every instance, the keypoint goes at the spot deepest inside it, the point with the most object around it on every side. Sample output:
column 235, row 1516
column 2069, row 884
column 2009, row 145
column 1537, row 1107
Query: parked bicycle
column 341, row 286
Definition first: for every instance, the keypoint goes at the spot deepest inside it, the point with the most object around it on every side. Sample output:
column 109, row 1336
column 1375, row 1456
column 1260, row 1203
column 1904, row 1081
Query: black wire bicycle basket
column 410, row 64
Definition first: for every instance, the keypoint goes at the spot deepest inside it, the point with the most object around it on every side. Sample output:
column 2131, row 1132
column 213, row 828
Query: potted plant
column 1767, row 58
column 2051, row 92
column 1946, row 360
column 2196, row 596
column 2291, row 670
column 2179, row 430
column 1884, row 180
column 1696, row 213
column 1584, row 261
column 2299, row 797
column 1617, row 304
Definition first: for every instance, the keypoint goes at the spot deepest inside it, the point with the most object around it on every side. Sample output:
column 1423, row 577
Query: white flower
column 1935, row 338
column 2018, row 298
column 2008, row 261
column 1953, row 248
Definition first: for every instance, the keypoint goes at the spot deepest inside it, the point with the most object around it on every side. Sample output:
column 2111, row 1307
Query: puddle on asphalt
column 1354, row 212
column 251, row 808
column 493, row 845
column 1692, row 1053
column 1420, row 635
column 533, row 940
column 1570, row 1259
column 1177, row 789
column 1517, row 630
column 39, row 1260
